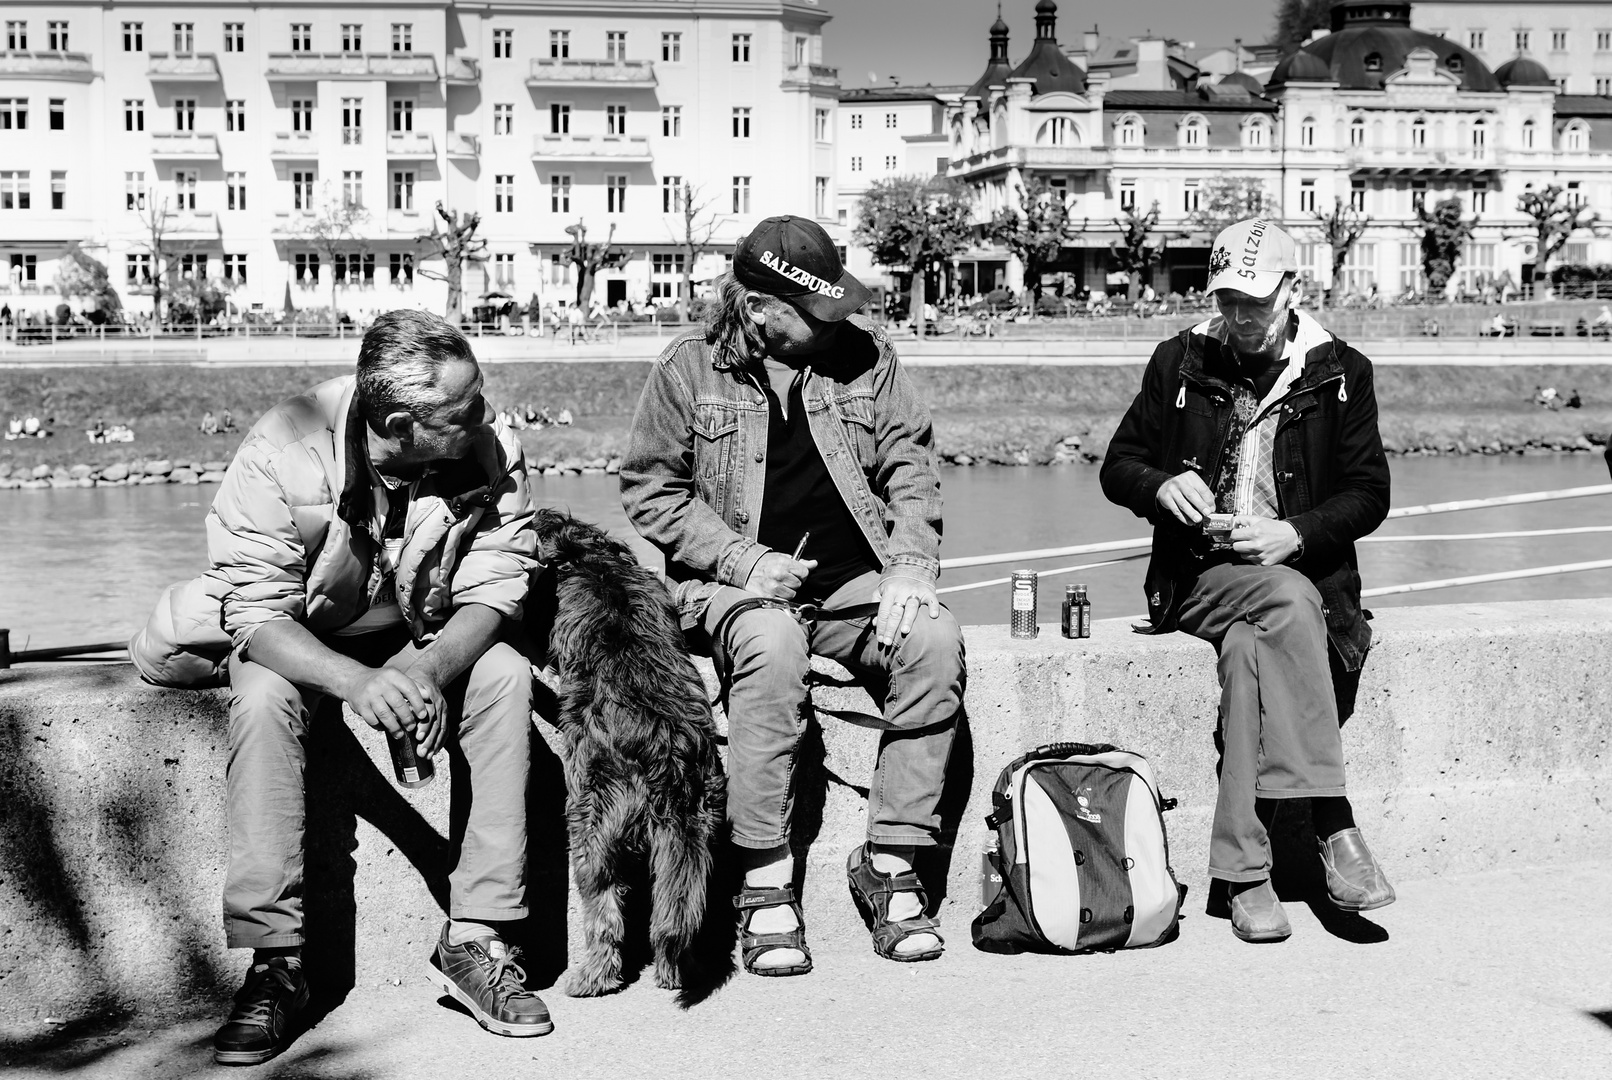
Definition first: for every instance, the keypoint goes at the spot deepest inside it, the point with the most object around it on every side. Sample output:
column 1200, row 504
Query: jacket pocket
column 856, row 414
column 716, row 431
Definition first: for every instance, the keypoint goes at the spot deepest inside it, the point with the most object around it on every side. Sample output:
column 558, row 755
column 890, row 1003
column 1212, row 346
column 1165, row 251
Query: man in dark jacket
column 1253, row 448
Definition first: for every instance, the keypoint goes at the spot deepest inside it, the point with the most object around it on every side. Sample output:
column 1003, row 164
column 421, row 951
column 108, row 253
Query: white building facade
column 237, row 125
column 1572, row 38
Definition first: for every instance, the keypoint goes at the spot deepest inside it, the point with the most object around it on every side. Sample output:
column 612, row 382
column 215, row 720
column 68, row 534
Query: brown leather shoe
column 1354, row 880
column 482, row 975
column 1257, row 916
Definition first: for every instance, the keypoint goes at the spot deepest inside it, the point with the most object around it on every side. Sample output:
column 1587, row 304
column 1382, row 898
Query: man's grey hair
column 400, row 364
column 728, row 325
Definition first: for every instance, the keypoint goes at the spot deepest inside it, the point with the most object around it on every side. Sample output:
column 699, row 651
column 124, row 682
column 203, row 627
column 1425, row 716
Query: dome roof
column 1047, row 64
column 1523, row 71
column 1242, row 79
column 1302, row 66
column 996, row 71
column 1370, row 40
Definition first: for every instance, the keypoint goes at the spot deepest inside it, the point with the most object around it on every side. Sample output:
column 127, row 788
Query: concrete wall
column 1480, row 739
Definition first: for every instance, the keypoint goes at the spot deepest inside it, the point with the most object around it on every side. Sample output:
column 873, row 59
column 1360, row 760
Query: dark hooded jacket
column 1331, row 475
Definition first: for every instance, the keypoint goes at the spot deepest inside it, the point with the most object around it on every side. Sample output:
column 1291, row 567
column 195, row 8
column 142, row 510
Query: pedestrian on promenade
column 331, row 528
column 1265, row 420
column 781, row 458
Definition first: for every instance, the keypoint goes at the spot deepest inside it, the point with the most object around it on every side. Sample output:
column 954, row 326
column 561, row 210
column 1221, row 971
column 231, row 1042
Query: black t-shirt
column 800, row 496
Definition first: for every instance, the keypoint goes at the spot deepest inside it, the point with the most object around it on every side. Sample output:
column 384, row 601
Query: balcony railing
column 291, row 222
column 811, row 75
column 463, row 145
column 1421, row 159
column 584, row 73
column 184, row 146
column 297, row 145
column 46, row 64
column 463, row 71
column 182, row 68
column 388, row 67
column 1069, row 157
column 410, row 145
column 406, row 222
column 591, row 147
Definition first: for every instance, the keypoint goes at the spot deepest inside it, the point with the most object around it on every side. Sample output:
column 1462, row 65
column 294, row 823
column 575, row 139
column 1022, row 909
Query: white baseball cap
column 1251, row 257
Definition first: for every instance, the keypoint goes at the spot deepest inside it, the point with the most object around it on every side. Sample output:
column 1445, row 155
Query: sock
column 1331, row 815
column 461, row 931
column 291, row 954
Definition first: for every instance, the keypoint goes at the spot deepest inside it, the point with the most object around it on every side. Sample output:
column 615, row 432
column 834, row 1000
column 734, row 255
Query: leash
column 802, row 613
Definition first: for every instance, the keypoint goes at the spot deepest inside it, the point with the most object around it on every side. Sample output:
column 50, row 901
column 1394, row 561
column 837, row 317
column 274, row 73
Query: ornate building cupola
column 1371, row 42
column 996, row 71
column 1047, row 64
column 1374, row 12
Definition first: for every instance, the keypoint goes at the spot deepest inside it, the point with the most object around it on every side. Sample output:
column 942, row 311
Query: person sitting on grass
column 209, row 423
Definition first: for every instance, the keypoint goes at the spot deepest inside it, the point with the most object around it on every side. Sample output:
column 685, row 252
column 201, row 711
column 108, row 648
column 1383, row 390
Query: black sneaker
column 266, row 1008
column 483, row 976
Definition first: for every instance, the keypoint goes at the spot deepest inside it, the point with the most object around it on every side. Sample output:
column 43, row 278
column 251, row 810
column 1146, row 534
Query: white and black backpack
column 1084, row 861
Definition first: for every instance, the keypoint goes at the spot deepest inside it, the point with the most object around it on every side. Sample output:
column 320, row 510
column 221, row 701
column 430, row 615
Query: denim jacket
column 696, row 463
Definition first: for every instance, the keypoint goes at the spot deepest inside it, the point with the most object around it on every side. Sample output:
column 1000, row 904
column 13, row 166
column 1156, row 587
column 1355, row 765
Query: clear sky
column 947, row 41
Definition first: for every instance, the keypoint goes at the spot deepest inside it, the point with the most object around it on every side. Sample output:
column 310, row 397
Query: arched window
column 1576, row 137
column 999, row 124
column 1307, row 131
column 1418, row 134
column 1256, row 133
column 1058, row 131
column 1480, row 137
column 1528, row 130
column 1194, row 131
column 1130, row 131
column 1357, row 131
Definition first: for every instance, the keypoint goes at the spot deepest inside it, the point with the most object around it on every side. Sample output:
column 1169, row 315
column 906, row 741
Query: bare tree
column 589, row 259
column 699, row 227
column 1444, row 235
column 333, row 230
column 1341, row 229
column 1132, row 253
column 1556, row 218
column 155, row 243
column 454, row 242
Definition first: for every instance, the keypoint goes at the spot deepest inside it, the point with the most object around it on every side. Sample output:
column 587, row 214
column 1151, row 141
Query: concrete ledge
column 1480, row 740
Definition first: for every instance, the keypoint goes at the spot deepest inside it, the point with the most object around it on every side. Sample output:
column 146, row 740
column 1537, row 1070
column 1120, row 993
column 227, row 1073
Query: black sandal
column 872, row 890
column 756, row 945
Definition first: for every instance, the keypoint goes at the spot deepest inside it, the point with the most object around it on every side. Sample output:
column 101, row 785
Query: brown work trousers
column 1278, row 726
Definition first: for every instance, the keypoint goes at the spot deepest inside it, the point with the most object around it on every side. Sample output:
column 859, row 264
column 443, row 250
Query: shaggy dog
column 643, row 775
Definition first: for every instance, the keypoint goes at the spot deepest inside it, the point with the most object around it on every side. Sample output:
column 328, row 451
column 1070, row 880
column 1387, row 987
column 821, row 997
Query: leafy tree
column 1035, row 231
column 915, row 222
column 196, row 299
column 589, row 259
column 1224, row 200
column 1297, row 19
column 455, row 242
column 334, row 229
column 1132, row 253
column 700, row 223
column 81, row 275
column 1341, row 229
column 1556, row 219
column 1443, row 235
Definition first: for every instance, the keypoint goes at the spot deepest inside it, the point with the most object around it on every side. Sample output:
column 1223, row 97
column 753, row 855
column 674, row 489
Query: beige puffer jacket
column 288, row 539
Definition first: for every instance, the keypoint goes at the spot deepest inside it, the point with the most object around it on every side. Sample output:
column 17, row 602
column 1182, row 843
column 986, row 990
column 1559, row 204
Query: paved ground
column 1496, row 976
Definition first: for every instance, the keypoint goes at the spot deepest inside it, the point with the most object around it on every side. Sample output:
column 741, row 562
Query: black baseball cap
column 793, row 258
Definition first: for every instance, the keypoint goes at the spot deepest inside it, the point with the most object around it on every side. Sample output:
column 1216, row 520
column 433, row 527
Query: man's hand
column 389, row 699
column 1186, row 497
column 429, row 733
column 1264, row 541
column 899, row 599
column 777, row 575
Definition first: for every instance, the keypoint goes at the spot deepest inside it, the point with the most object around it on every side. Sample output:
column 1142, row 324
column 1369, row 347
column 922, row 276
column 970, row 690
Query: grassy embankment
column 1015, row 414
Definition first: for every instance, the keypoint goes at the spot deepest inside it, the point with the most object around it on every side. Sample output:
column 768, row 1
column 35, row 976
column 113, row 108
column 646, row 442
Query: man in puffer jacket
column 368, row 540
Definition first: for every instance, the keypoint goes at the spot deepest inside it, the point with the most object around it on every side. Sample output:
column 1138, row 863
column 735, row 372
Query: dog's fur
column 643, row 774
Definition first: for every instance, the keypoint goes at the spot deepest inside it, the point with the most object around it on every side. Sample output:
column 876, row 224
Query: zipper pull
column 1343, row 388
column 1181, row 397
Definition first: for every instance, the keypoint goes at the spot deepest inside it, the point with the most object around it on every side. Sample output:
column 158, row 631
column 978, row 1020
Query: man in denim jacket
column 782, row 462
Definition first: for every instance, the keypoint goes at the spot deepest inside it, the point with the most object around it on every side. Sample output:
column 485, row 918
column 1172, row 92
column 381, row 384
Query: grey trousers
column 1278, row 716
column 491, row 706
column 766, row 655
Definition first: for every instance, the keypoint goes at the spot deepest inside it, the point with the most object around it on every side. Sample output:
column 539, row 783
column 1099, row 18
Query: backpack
column 1084, row 859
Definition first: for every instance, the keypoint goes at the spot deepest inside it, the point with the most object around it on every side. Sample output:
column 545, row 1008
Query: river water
column 85, row 565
